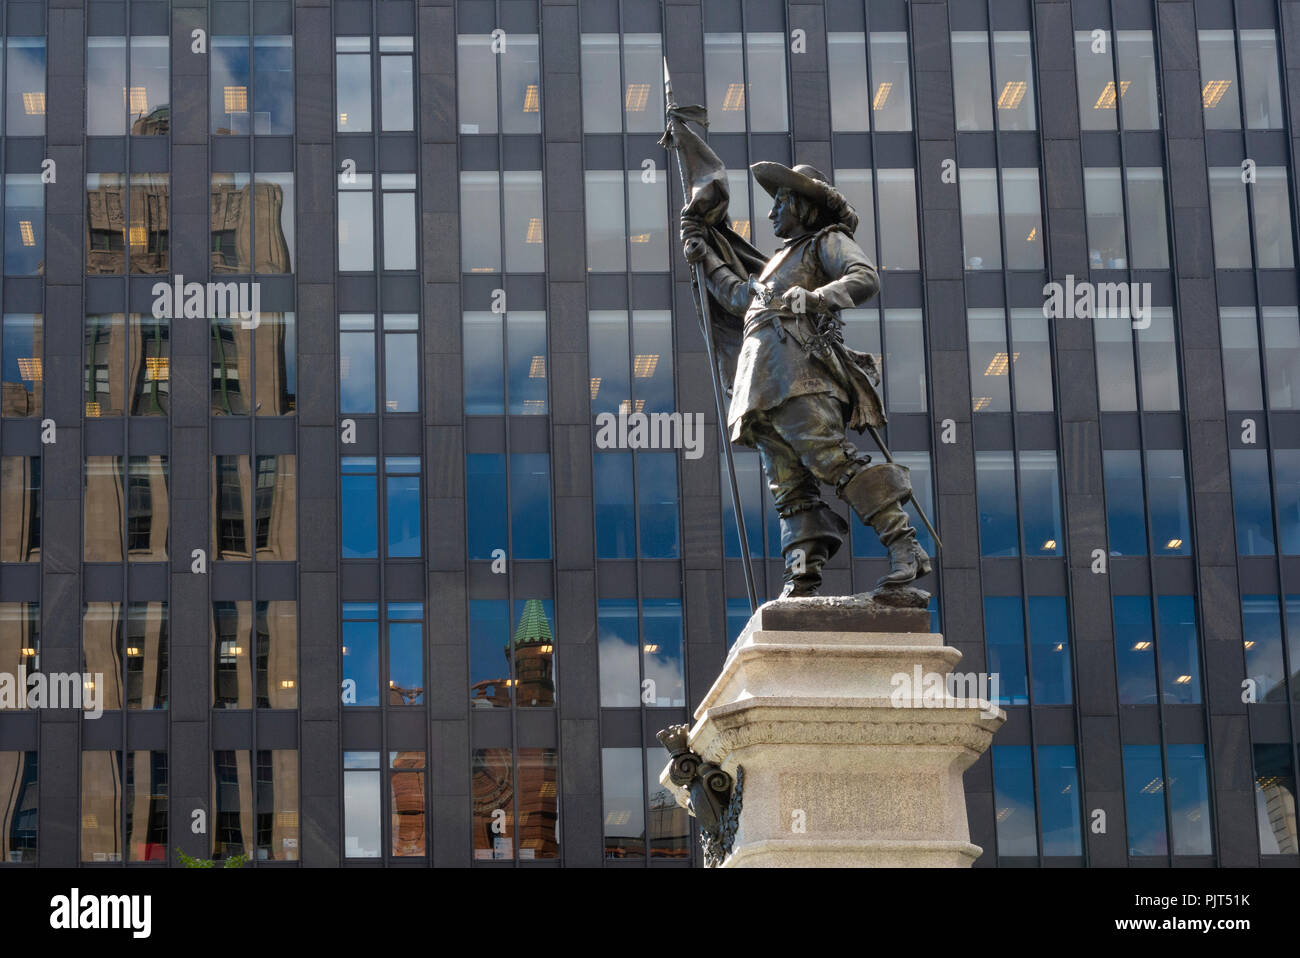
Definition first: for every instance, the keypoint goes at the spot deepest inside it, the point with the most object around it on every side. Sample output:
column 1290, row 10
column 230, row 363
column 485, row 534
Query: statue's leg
column 810, row 532
column 813, row 426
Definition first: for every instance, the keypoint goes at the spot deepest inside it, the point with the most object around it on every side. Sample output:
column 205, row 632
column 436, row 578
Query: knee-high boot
column 876, row 494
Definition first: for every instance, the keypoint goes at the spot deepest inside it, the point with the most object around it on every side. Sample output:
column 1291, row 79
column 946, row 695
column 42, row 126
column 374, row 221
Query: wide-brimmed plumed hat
column 807, row 181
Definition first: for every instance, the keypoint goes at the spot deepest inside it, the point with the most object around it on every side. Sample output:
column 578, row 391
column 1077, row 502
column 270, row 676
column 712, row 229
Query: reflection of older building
column 270, row 665
column 143, row 682
column 22, row 397
column 247, row 235
column 154, row 123
column 20, row 641
column 20, row 509
column 493, row 789
column 17, row 806
column 244, row 519
column 105, row 832
column 407, row 778
column 1280, row 811
column 258, row 819
column 127, row 360
column 534, row 655
column 106, row 225
column 140, row 496
column 233, row 364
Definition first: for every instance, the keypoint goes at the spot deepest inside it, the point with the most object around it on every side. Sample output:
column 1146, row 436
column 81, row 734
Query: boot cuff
column 877, row 487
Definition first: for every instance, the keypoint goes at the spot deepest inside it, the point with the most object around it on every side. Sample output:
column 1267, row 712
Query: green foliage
column 189, row 861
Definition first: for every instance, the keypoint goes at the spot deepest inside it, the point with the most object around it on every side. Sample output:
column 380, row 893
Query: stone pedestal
column 852, row 744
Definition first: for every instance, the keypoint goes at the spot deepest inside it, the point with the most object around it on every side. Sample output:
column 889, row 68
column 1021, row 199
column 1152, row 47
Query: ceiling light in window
column 980, row 402
column 643, row 366
column 92, row 410
column 639, row 238
column 1153, row 786
column 236, row 99
column 89, row 821
column 537, row 368
column 1107, row 99
column 618, row 818
column 1000, row 363
column 30, row 368
column 595, row 386
column 1060, row 647
column 132, row 650
column 34, row 104
column 651, row 647
column 734, row 99
column 482, row 269
column 29, row 653
column 534, row 234
column 1250, row 643
column 391, row 405
column 286, row 683
column 628, row 406
column 343, row 119
column 1049, row 545
column 1183, row 680
column 1213, row 92
column 1005, row 812
column 638, row 94
column 1174, row 544
column 136, row 98
column 742, row 228
column 534, row 407
column 1012, row 94
column 531, row 99
column 882, row 95
column 1033, row 235
column 138, row 237
column 157, row 368
column 26, row 232
column 1141, row 646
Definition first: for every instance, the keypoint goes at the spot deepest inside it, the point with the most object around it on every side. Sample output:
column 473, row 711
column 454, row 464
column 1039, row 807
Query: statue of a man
column 798, row 387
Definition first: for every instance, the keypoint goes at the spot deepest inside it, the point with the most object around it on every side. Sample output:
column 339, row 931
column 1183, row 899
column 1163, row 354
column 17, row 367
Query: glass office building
column 309, row 310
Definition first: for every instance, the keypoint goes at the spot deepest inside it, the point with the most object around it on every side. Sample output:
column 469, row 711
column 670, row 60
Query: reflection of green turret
column 534, row 650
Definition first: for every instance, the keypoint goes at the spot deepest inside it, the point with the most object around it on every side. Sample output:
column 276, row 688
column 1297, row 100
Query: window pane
column 1040, row 502
column 1228, row 215
column 904, row 365
column 1272, row 209
column 1116, row 379
column 1146, row 210
column 1282, row 355
column 612, row 487
column 1139, row 99
column 662, row 652
column 1024, row 224
column 1158, row 355
column 530, row 504
column 485, row 503
column 647, row 227
column 971, row 81
column 273, row 84
column 1189, row 800
column 539, row 800
column 484, row 343
column 1275, row 800
column 406, row 800
column 1014, row 69
column 1167, row 480
column 1219, row 97
column 105, row 365
column 146, row 656
column 1013, row 800
column 105, row 223
column 618, row 638
column 652, row 360
column 401, row 363
column 24, row 225
column 1004, row 641
column 356, row 230
column 357, row 362
column 277, row 655
column 150, row 345
column 1260, row 86
column 670, row 824
column 359, row 508
column 1180, row 678
column 846, row 62
column 643, row 100
column 149, row 101
column 765, row 63
column 520, row 91
column 989, row 361
column 996, row 493
column 25, row 87
column 480, row 226
column 1096, row 79
column 1251, row 502
column 1144, row 800
column 397, row 94
column 273, row 240
column 20, row 521
column 493, row 789
column 1049, row 647
column 403, row 506
column 229, row 59
column 105, row 76
column 489, row 649
column 1105, row 215
column 899, row 243
column 101, row 652
column 1239, row 338
column 352, row 82
column 891, row 99
column 1135, row 649
column 1058, row 792
column 1031, row 366
column 606, row 232
column 524, row 250
column 361, row 653
column 724, row 78
column 1261, row 629
column 980, row 222
column 400, row 244
column 1286, row 472
column 601, row 82
column 1125, row 515
column 657, row 503
column 533, row 641
column 405, row 653
column 361, row 814
column 476, row 85
column 101, row 806
column 623, row 795
column 856, row 186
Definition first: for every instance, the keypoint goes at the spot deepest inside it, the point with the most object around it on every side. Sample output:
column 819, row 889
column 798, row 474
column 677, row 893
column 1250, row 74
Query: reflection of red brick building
column 493, row 789
column 534, row 650
column 407, row 782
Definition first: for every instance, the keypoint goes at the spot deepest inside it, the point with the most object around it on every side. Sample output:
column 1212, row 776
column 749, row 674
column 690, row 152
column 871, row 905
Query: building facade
column 318, row 318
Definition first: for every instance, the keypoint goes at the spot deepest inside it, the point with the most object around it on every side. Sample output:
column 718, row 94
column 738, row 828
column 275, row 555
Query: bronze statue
column 795, row 387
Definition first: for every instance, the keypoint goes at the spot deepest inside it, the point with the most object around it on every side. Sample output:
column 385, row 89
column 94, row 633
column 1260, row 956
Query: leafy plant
column 189, row 861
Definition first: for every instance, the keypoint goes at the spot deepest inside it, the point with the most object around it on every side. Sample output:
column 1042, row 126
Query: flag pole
column 701, row 298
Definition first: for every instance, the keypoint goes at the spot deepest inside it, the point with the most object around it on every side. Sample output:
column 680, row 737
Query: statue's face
column 786, row 217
